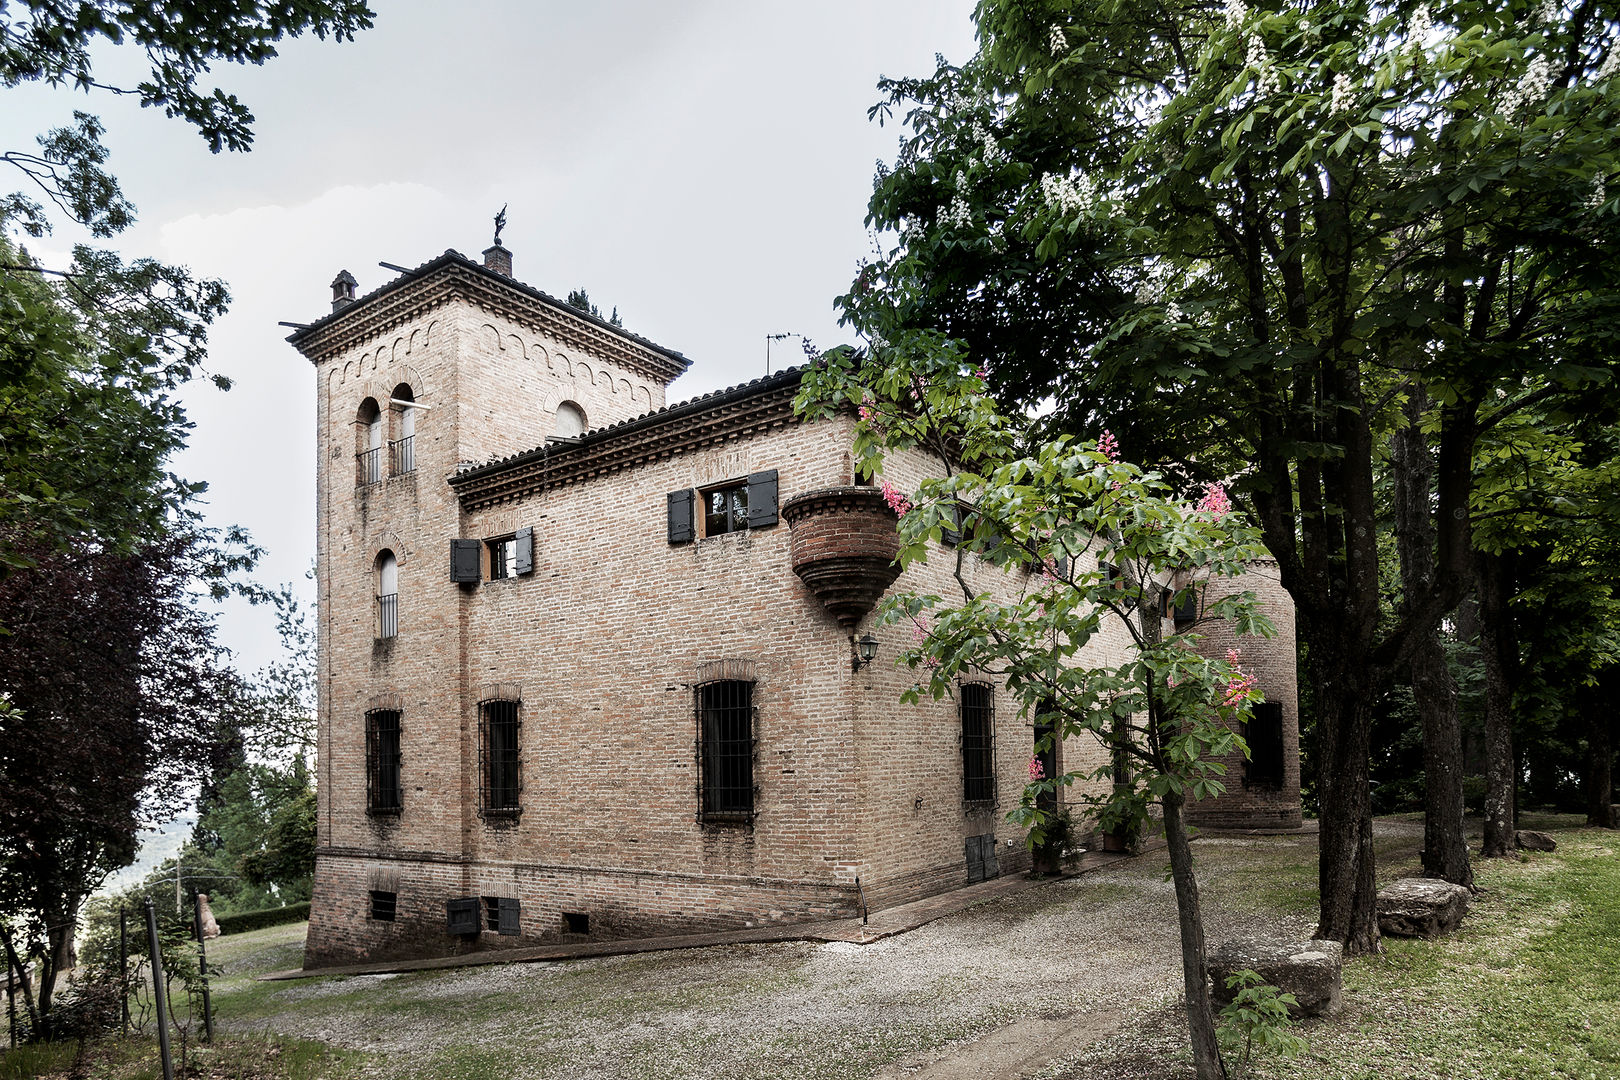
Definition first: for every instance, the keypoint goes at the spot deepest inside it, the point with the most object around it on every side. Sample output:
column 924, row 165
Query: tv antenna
column 783, row 336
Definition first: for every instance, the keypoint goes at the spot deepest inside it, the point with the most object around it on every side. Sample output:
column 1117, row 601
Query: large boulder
column 1310, row 970
column 1530, row 840
column 1421, row 907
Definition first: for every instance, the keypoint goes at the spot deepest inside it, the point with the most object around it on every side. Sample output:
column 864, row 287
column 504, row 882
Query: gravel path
column 1044, row 974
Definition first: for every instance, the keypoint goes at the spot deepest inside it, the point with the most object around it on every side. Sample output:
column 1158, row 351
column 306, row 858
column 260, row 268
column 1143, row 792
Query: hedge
column 244, row 921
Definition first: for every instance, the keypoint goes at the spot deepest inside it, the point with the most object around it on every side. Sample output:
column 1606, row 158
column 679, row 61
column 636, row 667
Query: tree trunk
column 1500, row 652
column 16, row 964
column 1346, row 873
column 1597, row 706
column 1200, row 1006
column 1445, row 846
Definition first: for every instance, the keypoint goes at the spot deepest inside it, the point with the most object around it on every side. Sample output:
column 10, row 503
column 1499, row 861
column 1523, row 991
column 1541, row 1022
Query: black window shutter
column 762, row 499
column 508, row 916
column 462, row 915
column 524, row 562
column 973, row 852
column 466, row 560
column 952, row 517
column 1061, row 565
column 680, row 516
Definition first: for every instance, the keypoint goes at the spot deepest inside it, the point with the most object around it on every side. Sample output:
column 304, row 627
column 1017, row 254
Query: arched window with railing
column 368, row 455
column 402, row 450
column 387, row 595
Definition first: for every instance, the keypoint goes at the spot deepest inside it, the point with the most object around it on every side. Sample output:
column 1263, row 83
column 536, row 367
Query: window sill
column 389, row 812
column 727, row 821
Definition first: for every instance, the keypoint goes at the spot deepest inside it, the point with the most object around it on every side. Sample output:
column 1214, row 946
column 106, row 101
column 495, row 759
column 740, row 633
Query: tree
column 113, row 682
column 579, row 298
column 1080, row 517
column 101, row 334
column 1245, row 238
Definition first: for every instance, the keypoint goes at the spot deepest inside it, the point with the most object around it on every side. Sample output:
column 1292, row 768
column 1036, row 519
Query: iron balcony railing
column 370, row 465
column 404, row 454
column 388, row 615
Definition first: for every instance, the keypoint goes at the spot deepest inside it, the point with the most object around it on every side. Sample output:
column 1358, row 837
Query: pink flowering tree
column 1090, row 544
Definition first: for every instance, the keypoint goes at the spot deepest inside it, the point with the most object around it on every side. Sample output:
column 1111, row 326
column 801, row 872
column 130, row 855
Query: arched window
column 570, row 421
column 387, row 595
column 403, row 448
column 369, row 454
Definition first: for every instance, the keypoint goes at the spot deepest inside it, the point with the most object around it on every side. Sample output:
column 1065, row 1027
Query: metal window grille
column 498, row 765
column 726, row 749
column 370, row 465
column 388, row 615
column 383, row 794
column 384, row 905
column 978, row 743
column 403, row 452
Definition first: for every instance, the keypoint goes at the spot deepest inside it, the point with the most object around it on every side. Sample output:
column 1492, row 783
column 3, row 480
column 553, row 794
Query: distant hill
column 162, row 842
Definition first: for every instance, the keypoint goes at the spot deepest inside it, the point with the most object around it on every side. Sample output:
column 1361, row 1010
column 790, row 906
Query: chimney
column 343, row 290
column 498, row 259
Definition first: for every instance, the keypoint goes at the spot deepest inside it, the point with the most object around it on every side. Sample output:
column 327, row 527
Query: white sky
column 704, row 166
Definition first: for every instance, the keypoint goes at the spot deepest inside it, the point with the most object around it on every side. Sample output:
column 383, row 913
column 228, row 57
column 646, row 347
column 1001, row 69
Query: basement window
column 384, row 905
column 501, row 914
column 576, row 922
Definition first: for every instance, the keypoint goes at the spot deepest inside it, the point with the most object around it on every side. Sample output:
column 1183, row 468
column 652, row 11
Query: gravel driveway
column 1013, row 987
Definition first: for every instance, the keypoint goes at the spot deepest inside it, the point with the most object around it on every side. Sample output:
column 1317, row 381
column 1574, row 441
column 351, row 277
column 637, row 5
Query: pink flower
column 978, row 373
column 1108, row 446
column 1037, row 770
column 1215, row 503
column 897, row 502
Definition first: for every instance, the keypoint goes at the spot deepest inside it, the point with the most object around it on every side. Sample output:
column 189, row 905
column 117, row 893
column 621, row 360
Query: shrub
column 244, row 921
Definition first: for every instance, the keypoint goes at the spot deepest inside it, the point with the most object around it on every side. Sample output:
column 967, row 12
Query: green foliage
column 579, row 298
column 1055, row 518
column 1256, row 1018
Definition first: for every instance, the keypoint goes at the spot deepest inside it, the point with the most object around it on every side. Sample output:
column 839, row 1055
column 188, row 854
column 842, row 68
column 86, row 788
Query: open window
column 1264, row 734
column 387, row 624
column 734, row 506
column 369, row 437
column 402, row 449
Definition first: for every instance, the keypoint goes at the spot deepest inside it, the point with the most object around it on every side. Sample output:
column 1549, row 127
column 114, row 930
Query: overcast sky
column 703, row 166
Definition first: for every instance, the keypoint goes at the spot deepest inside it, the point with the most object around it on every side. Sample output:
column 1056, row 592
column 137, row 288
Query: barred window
column 384, row 905
column 726, row 750
column 383, row 794
column 498, row 766
column 977, row 707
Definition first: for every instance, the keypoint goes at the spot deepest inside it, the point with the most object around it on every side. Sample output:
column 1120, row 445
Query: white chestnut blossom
column 1343, row 95
column 959, row 215
column 1237, row 13
column 1069, row 196
column 1172, row 312
column 1598, row 195
column 1422, row 27
column 1058, row 41
column 1532, row 89
column 1549, row 11
column 1611, row 63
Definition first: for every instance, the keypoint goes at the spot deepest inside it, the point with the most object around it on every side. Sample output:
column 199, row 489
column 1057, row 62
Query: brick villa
column 588, row 661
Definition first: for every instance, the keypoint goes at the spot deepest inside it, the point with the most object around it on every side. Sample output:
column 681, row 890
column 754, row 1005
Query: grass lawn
column 1528, row 988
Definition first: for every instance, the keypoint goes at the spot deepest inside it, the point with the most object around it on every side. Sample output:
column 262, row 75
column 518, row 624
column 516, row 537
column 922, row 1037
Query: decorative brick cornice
column 723, row 416
column 454, row 277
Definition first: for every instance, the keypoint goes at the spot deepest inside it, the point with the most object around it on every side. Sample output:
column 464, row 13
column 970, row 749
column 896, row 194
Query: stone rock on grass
column 1421, row 907
column 1310, row 970
column 1530, row 840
